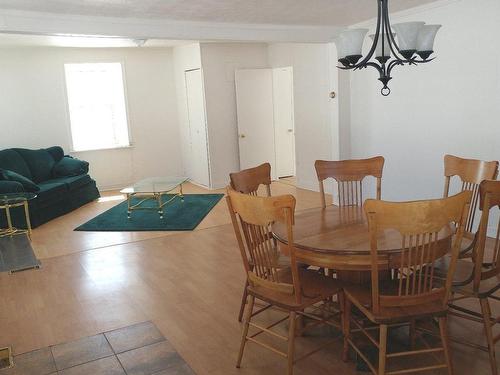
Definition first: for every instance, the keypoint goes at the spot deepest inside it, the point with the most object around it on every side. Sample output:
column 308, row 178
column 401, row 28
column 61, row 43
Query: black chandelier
column 416, row 43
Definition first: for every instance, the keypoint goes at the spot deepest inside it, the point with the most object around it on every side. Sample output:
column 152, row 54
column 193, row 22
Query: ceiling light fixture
column 416, row 39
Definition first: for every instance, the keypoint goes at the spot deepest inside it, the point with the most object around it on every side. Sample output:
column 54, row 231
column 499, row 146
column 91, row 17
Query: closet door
column 199, row 168
column 254, row 100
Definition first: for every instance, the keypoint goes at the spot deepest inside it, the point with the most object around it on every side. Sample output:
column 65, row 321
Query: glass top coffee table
column 153, row 189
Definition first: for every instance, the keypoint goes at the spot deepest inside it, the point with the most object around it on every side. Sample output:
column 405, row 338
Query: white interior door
column 283, row 121
column 254, row 100
column 198, row 168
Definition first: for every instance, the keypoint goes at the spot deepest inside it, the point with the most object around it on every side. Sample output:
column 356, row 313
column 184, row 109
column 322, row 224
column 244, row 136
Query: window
column 96, row 100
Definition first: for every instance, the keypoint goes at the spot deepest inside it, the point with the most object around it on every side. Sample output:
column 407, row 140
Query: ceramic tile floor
column 139, row 349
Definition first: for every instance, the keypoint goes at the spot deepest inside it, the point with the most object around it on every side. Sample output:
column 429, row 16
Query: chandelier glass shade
column 415, row 45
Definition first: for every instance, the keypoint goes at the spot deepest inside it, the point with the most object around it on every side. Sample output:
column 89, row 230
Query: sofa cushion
column 73, row 182
column 51, row 189
column 28, row 185
column 11, row 160
column 68, row 166
column 40, row 163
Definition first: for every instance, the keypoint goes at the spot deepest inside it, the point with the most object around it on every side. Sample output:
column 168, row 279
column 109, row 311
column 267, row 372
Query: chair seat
column 361, row 297
column 315, row 288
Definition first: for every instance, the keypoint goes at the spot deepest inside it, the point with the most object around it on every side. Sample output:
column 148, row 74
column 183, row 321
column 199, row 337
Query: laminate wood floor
column 188, row 284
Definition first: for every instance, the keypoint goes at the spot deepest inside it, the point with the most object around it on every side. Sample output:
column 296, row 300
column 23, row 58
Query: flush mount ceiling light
column 416, row 43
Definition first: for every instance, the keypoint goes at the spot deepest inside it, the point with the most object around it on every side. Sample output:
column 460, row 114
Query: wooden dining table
column 339, row 239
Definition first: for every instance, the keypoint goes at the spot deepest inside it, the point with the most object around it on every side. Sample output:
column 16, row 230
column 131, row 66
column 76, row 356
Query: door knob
column 290, row 130
column 242, row 136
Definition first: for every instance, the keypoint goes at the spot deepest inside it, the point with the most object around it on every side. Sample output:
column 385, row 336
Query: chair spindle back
column 349, row 175
column 425, row 228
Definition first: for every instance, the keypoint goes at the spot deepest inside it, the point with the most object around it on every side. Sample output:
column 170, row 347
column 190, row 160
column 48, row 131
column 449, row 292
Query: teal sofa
column 60, row 182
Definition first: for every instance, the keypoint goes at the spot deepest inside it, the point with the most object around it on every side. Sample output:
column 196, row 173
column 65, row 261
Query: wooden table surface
column 340, row 235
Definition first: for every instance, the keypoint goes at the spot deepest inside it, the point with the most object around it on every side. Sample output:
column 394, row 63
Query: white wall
column 33, row 109
column 316, row 115
column 219, row 61
column 451, row 105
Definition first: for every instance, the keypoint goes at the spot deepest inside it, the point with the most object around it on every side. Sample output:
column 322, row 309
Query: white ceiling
column 277, row 12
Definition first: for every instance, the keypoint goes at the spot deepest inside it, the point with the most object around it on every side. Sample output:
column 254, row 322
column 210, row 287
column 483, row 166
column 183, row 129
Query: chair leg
column 244, row 301
column 443, row 329
column 245, row 330
column 346, row 327
column 291, row 341
column 382, row 351
column 485, row 309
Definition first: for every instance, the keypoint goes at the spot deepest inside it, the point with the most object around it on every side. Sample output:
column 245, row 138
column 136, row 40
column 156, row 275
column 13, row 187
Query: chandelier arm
column 392, row 41
column 375, row 40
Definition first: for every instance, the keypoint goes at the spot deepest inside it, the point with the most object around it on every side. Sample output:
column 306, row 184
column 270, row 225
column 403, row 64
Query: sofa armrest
column 10, row 187
column 69, row 166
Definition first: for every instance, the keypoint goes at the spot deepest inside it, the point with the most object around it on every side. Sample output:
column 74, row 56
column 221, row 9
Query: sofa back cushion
column 40, row 163
column 11, row 160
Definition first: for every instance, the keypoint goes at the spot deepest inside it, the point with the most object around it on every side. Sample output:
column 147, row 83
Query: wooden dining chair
column 482, row 276
column 349, row 175
column 471, row 173
column 248, row 181
column 291, row 289
column 426, row 229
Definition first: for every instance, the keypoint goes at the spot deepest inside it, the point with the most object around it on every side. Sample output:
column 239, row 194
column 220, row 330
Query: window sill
column 101, row 149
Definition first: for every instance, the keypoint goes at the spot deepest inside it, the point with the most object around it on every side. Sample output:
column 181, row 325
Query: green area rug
column 178, row 215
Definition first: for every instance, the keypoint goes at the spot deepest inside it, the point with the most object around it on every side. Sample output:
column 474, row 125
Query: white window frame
column 125, row 96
